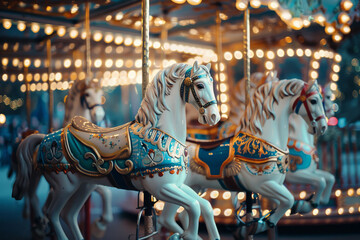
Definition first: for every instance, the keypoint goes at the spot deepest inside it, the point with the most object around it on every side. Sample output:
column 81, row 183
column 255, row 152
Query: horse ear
column 195, row 68
column 208, row 66
column 311, row 84
column 103, row 100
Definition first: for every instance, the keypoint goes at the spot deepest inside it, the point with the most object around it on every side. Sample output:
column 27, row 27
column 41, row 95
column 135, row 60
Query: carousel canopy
column 323, row 35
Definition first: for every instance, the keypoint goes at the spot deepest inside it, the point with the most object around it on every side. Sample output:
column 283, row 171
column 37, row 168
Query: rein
column 187, row 85
column 302, row 100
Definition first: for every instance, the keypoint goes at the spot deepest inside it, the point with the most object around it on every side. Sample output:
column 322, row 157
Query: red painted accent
column 151, row 175
column 172, row 171
column 161, row 174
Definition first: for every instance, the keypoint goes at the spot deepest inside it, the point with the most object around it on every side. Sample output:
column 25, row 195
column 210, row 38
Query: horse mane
column 261, row 105
column 237, row 96
column 153, row 103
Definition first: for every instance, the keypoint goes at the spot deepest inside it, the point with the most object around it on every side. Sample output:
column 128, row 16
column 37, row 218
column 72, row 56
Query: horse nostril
column 213, row 117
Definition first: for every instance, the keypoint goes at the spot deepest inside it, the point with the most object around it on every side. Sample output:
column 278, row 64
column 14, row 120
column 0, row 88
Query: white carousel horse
column 148, row 154
column 87, row 100
column 303, row 161
column 83, row 100
column 256, row 158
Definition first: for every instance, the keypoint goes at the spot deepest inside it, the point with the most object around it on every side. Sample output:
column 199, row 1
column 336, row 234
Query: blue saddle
column 214, row 159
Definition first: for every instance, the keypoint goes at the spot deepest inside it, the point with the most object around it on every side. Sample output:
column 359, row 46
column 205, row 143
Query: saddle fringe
column 232, row 169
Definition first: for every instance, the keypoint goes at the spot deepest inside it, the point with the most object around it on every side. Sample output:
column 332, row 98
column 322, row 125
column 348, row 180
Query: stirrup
column 139, row 218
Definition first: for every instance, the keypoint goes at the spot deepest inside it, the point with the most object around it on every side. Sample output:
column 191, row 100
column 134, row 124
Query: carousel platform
column 14, row 227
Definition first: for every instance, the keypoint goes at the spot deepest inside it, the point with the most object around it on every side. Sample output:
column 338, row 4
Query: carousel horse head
column 195, row 86
column 87, row 97
column 328, row 104
column 309, row 105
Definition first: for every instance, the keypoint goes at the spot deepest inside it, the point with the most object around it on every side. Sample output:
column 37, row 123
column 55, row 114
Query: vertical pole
column 145, row 7
column 218, row 49
column 28, row 99
column 87, row 80
column 246, row 43
column 354, row 150
column 145, row 44
column 50, row 91
column 339, row 160
column 247, row 53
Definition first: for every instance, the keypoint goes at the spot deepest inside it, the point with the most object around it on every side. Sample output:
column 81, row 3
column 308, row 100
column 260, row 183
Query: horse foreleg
column 206, row 212
column 329, row 180
column 99, row 226
column 178, row 195
column 167, row 218
column 72, row 208
column 315, row 180
column 281, row 196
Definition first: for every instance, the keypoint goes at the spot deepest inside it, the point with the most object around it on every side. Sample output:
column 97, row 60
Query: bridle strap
column 302, row 100
column 83, row 101
column 187, row 85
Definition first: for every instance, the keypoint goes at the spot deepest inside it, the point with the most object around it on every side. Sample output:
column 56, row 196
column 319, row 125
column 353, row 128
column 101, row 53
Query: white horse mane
column 153, row 104
column 261, row 104
column 237, row 103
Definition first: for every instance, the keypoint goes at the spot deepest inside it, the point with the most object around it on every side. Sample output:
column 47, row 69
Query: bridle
column 302, row 99
column 84, row 102
column 187, row 85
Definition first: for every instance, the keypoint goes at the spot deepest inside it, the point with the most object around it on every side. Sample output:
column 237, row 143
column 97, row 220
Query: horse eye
column 86, row 95
column 313, row 101
column 328, row 97
column 200, row 86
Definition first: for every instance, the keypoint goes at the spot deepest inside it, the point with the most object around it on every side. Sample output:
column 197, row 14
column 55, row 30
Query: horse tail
column 24, row 155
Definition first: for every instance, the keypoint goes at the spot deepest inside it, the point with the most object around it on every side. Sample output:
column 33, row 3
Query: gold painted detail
column 129, row 167
column 294, row 161
column 97, row 162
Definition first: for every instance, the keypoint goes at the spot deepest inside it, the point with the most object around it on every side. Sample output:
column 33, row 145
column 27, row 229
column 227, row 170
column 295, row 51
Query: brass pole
column 28, row 99
column 246, row 53
column 50, row 79
column 218, row 48
column 145, row 44
column 87, row 234
column 249, row 200
column 145, row 7
column 87, row 42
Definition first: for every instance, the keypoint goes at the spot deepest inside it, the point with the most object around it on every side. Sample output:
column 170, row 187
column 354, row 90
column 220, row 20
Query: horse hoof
column 98, row 229
column 175, row 236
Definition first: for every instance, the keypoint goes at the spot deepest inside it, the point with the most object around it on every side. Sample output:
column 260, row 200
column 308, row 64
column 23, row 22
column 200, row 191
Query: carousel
column 179, row 119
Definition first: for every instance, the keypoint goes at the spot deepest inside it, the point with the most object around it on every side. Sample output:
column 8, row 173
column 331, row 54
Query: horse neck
column 299, row 130
column 277, row 131
column 173, row 121
column 73, row 109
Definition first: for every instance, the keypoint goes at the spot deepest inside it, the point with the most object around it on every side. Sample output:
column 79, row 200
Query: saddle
column 109, row 143
column 214, row 158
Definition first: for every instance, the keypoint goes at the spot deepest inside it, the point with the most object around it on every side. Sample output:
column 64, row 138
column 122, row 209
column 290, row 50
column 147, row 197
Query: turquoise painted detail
column 78, row 150
column 215, row 157
column 50, row 150
column 146, row 157
column 306, row 159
